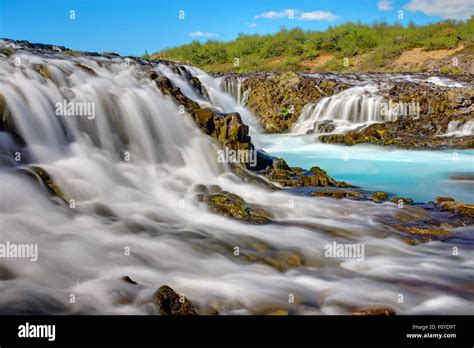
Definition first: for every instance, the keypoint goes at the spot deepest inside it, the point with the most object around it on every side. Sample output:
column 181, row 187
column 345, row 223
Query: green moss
column 235, row 207
column 379, row 196
column 450, row 71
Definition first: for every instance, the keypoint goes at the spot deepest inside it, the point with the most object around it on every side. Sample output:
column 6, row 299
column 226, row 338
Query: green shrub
column 289, row 47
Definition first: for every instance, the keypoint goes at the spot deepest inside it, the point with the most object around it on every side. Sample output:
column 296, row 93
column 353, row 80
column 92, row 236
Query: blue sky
column 129, row 27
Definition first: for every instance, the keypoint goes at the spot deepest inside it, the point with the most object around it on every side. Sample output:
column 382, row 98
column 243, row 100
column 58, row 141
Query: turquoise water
column 420, row 174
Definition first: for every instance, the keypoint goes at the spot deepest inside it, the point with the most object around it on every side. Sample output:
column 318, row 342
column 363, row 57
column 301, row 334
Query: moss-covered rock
column 376, row 310
column 42, row 176
column 168, row 302
column 427, row 233
column 281, row 173
column 379, row 196
column 338, row 194
column 226, row 128
column 459, row 208
column 444, row 199
column 233, row 206
column 281, row 260
column 277, row 99
column 42, row 70
column 437, row 107
column 86, row 69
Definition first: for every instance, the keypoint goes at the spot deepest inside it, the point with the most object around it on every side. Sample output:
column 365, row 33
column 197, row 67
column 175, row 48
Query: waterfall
column 135, row 167
column 225, row 102
column 347, row 110
column 233, row 86
column 460, row 129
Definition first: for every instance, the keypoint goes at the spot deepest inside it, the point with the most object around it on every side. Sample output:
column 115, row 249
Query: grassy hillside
column 347, row 47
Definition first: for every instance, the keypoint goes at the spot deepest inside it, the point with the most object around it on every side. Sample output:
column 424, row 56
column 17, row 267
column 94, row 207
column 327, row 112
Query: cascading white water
column 141, row 217
column 349, row 109
column 233, row 86
column 226, row 103
column 460, row 129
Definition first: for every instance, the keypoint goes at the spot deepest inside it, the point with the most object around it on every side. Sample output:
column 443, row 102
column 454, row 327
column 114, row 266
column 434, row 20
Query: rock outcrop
column 438, row 107
column 232, row 205
column 277, row 99
column 298, row 177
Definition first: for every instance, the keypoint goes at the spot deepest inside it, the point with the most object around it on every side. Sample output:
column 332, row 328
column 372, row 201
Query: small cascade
column 349, row 109
column 227, row 100
column 233, row 86
column 459, row 129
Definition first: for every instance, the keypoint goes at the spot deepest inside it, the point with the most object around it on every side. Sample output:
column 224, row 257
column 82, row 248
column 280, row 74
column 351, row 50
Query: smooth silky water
column 419, row 174
column 149, row 206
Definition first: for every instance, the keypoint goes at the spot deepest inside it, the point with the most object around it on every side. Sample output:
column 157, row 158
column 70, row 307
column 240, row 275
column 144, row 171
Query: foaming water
column 148, row 205
column 226, row 103
column 442, row 81
column 349, row 109
column 459, row 129
column 233, row 86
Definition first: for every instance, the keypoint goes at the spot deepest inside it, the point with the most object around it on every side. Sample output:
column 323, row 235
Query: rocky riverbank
column 428, row 112
column 278, row 99
column 178, row 212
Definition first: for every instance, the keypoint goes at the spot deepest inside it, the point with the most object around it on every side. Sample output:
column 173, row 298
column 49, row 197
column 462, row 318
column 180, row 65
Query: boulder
column 168, row 302
column 233, row 206
column 379, row 196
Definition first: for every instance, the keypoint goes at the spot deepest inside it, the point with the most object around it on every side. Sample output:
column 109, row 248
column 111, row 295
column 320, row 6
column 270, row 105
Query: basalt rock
column 437, row 106
column 298, row 177
column 277, row 99
column 193, row 81
column 168, row 302
column 226, row 128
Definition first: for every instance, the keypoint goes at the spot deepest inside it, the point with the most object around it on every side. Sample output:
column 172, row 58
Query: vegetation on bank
column 290, row 50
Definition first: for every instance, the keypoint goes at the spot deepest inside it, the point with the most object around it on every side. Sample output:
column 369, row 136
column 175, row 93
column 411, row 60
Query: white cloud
column 276, row 14
column 385, row 5
column 302, row 16
column 452, row 9
column 202, row 34
column 252, row 25
column 317, row 16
